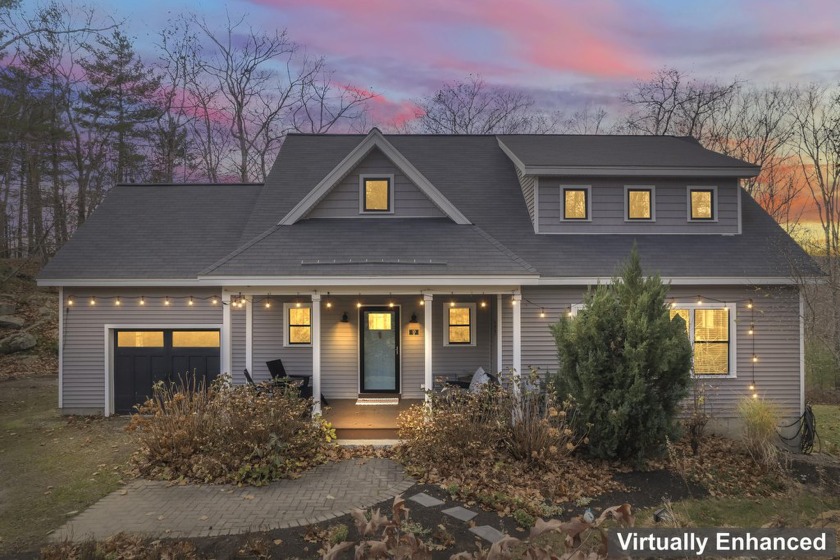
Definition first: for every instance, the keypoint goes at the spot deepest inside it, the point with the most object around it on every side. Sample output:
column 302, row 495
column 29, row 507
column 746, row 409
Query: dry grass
column 760, row 418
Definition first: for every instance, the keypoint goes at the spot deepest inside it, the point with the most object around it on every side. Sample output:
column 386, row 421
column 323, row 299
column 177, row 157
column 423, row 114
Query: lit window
column 377, row 194
column 140, row 339
column 711, row 340
column 460, row 324
column 702, row 203
column 379, row 321
column 639, row 204
column 195, row 339
column 299, row 324
column 575, row 204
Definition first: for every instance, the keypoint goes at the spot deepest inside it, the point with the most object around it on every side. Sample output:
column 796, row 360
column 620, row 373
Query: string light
column 750, row 304
column 268, row 302
column 483, row 303
column 451, row 304
column 359, row 304
column 752, row 387
column 166, row 301
column 391, row 304
column 699, row 300
column 752, row 329
column 329, row 305
column 423, row 301
column 215, row 300
column 142, row 300
column 191, row 301
column 117, row 301
column 70, row 300
column 297, row 304
column 755, row 358
column 542, row 313
column 93, row 300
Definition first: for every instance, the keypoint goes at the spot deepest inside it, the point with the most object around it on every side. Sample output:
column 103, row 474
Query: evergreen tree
column 120, row 102
column 626, row 365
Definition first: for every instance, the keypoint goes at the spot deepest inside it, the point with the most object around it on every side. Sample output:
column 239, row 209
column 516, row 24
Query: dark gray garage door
column 143, row 357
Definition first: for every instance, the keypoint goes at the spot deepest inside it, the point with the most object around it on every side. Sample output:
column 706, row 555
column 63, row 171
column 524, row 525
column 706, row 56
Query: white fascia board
column 374, row 139
column 674, row 281
column 122, row 282
column 560, row 171
column 328, row 281
column 509, row 153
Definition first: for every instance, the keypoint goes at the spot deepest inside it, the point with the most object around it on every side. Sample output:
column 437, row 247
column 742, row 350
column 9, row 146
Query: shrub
column 760, row 419
column 227, row 434
column 625, row 364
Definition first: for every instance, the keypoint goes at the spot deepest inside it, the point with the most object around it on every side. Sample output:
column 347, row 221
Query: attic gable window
column 376, row 194
column 576, row 203
column 701, row 204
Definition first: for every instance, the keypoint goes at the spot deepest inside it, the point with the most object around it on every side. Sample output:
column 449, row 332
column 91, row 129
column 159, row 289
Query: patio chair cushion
column 479, row 379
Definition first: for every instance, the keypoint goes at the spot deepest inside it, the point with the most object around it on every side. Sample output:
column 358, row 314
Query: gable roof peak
column 374, row 139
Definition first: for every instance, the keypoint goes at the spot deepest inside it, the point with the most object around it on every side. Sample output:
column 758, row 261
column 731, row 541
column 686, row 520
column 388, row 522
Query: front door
column 379, row 349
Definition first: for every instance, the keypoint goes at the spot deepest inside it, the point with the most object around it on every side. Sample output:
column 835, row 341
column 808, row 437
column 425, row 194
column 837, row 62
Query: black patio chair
column 280, row 376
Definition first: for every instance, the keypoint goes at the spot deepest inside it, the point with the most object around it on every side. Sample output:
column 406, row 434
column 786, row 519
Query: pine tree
column 625, row 364
column 120, row 102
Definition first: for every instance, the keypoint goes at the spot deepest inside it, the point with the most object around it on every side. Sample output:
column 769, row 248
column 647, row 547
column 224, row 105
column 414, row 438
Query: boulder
column 11, row 322
column 17, row 342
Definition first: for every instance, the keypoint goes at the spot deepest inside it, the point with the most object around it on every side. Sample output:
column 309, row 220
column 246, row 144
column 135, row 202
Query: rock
column 11, row 322
column 17, row 343
column 7, row 308
column 46, row 311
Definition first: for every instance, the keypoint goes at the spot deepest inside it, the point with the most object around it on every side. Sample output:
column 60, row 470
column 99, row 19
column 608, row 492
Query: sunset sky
column 565, row 53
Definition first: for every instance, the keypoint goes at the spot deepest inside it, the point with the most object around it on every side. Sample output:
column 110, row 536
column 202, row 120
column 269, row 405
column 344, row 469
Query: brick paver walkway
column 155, row 509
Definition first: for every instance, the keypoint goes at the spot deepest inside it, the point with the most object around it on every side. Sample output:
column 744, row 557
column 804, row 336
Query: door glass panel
column 140, row 339
column 379, row 352
column 195, row 339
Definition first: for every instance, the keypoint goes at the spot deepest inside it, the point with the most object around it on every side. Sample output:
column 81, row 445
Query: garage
column 144, row 357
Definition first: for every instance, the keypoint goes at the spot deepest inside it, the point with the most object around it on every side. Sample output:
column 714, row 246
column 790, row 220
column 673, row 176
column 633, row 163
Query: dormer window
column 376, row 194
column 576, row 203
column 701, row 204
column 638, row 204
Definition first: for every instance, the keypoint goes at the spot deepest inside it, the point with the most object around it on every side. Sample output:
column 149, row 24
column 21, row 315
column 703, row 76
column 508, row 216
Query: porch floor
column 365, row 422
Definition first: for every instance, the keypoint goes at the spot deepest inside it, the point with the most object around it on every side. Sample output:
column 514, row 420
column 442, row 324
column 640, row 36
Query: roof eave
column 639, row 171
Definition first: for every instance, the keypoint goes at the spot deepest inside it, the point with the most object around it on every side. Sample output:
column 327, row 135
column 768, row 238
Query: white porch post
column 316, row 353
column 428, row 382
column 517, row 333
column 225, row 350
column 499, row 338
column 249, row 336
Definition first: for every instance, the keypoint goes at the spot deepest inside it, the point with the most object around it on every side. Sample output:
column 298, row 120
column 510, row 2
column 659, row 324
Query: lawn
column 51, row 466
column 828, row 427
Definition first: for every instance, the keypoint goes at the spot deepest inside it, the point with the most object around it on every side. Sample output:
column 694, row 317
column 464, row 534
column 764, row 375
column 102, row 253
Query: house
column 376, row 263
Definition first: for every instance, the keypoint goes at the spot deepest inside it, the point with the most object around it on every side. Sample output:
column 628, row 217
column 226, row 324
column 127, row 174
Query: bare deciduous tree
column 472, row 106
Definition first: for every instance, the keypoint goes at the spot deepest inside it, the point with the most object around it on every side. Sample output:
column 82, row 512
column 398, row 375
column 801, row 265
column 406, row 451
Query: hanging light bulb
column 513, row 302
column 755, row 395
column 673, row 304
column 750, row 304
column 93, row 300
column 166, row 301
column 117, row 301
column 142, row 300
column 70, row 300
column 268, row 303
column 752, row 329
column 422, row 302
column 391, row 304
column 215, row 300
column 542, row 313
column 297, row 304
column 699, row 301
column 483, row 303
column 329, row 305
column 452, row 303
column 752, row 387
column 191, row 302
column 754, row 358
column 359, row 304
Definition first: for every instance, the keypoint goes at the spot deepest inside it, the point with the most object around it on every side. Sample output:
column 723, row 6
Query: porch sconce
column 413, row 326
column 345, row 318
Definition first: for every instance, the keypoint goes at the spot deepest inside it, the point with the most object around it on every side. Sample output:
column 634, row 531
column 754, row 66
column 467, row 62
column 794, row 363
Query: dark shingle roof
column 178, row 232
column 155, row 232
column 616, row 151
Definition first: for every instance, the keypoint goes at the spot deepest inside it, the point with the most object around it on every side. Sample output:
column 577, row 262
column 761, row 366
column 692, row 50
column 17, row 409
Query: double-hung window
column 459, row 324
column 298, row 319
column 711, row 333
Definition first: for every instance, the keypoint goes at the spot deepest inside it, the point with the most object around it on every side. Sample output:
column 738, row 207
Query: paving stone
column 286, row 503
column 487, row 533
column 460, row 513
column 425, row 500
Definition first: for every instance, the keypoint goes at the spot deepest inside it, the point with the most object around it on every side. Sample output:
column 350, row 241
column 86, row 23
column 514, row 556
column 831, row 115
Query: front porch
column 370, row 343
column 354, row 421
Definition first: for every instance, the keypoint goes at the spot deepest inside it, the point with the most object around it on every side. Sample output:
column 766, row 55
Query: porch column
column 225, row 354
column 316, row 353
column 517, row 333
column 499, row 339
column 428, row 382
column 249, row 336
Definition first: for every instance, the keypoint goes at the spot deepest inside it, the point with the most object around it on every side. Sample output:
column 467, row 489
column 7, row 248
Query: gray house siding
column 527, row 183
column 83, row 372
column 777, row 343
column 607, row 206
column 343, row 200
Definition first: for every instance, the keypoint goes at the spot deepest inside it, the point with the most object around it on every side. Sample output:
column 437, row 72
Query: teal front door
column 379, row 349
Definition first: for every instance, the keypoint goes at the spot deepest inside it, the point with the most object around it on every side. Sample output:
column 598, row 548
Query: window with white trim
column 459, row 324
column 710, row 329
column 298, row 324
